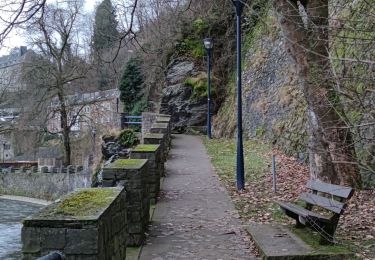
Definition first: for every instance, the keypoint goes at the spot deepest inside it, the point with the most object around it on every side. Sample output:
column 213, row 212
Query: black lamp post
column 208, row 44
column 240, row 160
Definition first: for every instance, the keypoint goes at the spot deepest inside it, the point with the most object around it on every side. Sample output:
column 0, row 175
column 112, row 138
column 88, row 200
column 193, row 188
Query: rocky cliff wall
column 273, row 107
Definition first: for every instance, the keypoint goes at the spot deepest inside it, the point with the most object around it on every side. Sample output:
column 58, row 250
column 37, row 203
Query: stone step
column 279, row 242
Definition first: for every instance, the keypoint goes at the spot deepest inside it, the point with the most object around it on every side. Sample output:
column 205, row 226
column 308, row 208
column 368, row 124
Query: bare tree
column 17, row 12
column 59, row 67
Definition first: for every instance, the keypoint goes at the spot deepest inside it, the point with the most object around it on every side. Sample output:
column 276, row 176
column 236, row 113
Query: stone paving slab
column 194, row 218
column 277, row 241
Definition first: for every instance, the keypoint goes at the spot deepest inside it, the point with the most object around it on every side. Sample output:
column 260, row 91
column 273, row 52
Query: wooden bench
column 331, row 198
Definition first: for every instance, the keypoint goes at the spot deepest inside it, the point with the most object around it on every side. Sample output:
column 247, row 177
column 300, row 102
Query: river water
column 11, row 215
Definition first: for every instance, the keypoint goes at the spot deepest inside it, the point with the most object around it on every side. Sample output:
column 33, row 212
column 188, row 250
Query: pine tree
column 105, row 28
column 131, row 85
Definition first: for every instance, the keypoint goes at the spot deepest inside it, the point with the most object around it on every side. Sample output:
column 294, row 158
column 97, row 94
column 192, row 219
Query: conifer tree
column 131, row 85
column 105, row 28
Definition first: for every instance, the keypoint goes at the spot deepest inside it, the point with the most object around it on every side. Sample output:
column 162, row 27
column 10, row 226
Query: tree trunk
column 309, row 48
column 321, row 167
column 65, row 129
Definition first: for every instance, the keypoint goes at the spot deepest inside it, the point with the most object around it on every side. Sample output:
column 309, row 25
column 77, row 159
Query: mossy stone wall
column 86, row 224
column 133, row 175
column 155, row 166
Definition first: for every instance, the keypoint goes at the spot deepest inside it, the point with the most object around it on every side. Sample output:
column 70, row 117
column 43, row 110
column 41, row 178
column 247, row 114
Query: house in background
column 88, row 111
column 11, row 102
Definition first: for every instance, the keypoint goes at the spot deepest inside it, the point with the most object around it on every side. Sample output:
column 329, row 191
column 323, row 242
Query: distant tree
column 105, row 38
column 105, row 28
column 131, row 85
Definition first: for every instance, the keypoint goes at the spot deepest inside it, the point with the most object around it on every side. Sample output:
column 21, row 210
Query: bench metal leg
column 326, row 236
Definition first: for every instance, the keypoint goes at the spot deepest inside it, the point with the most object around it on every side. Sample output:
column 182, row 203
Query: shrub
column 127, row 138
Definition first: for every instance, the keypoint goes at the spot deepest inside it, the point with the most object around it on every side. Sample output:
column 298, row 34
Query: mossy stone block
column 146, row 148
column 82, row 204
column 131, row 164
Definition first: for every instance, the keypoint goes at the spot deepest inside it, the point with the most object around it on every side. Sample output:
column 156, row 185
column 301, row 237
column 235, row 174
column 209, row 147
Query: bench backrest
column 334, row 200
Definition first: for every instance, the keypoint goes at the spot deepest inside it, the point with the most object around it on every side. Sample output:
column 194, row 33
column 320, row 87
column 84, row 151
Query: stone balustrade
column 43, row 169
column 86, row 224
column 133, row 175
column 154, row 154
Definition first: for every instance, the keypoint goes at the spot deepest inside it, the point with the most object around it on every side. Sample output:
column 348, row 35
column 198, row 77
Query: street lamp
column 208, row 44
column 238, row 4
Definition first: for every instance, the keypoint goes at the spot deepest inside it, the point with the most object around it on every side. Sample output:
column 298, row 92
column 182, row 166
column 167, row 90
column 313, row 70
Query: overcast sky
column 15, row 39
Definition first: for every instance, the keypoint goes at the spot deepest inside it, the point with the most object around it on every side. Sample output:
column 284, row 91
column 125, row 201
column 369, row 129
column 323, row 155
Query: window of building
column 6, row 146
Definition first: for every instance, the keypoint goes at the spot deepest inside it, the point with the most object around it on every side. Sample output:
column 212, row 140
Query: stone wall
column 133, row 175
column 274, row 109
column 154, row 154
column 48, row 186
column 85, row 230
column 147, row 120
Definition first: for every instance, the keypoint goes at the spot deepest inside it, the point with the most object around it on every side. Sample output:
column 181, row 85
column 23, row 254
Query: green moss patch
column 312, row 239
column 127, row 163
column 82, row 203
column 146, row 148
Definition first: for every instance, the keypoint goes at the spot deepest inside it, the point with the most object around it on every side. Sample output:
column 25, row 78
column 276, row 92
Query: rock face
column 178, row 71
column 177, row 98
column 274, row 107
column 111, row 146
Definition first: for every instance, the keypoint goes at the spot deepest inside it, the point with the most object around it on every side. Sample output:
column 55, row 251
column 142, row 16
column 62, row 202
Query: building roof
column 16, row 56
column 90, row 97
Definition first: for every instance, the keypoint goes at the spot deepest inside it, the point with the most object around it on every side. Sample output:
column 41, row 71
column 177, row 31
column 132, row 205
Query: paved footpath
column 195, row 218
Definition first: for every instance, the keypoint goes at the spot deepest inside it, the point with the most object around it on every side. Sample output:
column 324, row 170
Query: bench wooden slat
column 329, row 204
column 302, row 211
column 335, row 190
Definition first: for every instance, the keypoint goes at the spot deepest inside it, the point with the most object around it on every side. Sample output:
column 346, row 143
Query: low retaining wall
column 154, row 154
column 86, row 224
column 147, row 120
column 133, row 175
column 48, row 186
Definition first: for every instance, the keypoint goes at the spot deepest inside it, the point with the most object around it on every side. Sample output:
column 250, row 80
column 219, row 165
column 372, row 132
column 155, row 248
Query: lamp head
column 208, row 43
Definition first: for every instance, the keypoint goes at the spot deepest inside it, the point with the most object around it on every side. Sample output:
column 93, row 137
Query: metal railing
column 126, row 120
